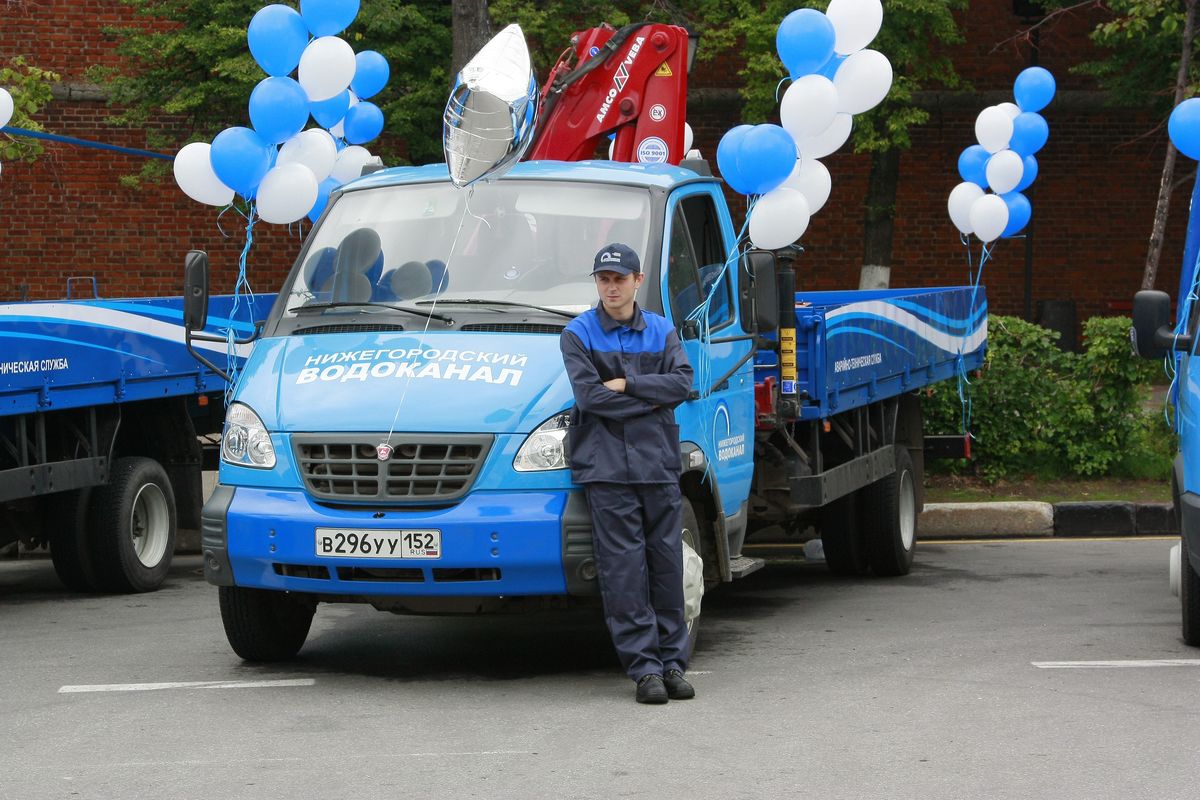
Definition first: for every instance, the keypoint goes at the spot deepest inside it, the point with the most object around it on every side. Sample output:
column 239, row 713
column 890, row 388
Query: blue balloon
column 371, row 74
column 1019, row 212
column 829, row 68
column 330, row 112
column 804, row 41
column 1030, row 133
column 240, row 158
column 1034, row 89
column 727, row 158
column 277, row 36
column 278, row 109
column 1029, row 175
column 766, row 157
column 363, row 123
column 323, row 189
column 328, row 17
column 1184, row 128
column 972, row 165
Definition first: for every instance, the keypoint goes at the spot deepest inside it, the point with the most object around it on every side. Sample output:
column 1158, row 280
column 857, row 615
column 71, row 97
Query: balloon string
column 779, row 86
column 242, row 286
column 964, row 381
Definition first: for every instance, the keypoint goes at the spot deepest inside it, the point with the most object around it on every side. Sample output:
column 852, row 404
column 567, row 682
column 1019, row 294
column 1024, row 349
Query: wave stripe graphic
column 951, row 323
column 847, row 329
column 890, row 313
column 77, row 343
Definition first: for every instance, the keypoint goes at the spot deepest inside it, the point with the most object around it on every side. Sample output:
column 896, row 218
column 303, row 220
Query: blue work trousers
column 637, row 529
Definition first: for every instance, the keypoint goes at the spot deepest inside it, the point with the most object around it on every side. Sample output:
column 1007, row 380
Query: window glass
column 683, row 282
column 704, row 230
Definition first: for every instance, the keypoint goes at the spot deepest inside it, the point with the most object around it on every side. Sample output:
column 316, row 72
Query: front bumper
column 493, row 544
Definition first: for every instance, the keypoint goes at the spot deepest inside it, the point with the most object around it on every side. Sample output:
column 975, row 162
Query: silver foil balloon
column 489, row 119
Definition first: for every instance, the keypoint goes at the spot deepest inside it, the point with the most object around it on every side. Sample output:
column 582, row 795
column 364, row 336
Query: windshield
column 527, row 242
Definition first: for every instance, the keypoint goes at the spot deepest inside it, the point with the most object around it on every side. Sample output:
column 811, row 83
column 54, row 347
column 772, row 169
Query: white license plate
column 356, row 543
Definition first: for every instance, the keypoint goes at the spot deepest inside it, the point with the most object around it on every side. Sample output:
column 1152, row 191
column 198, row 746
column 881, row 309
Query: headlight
column 245, row 441
column 544, row 449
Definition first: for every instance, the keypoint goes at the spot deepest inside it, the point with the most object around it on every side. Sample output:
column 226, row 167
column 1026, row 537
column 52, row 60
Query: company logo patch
column 652, row 151
column 611, row 257
column 383, row 451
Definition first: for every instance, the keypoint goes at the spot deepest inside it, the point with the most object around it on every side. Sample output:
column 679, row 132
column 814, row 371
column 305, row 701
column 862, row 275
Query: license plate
column 354, row 543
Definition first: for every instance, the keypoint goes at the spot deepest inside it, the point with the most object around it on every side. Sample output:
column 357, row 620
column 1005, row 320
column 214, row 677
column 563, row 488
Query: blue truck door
column 697, row 242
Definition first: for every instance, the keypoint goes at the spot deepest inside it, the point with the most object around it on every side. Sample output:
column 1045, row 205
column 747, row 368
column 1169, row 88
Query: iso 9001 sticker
column 358, row 543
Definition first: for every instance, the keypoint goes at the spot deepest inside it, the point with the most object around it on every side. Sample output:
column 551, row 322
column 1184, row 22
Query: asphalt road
column 809, row 686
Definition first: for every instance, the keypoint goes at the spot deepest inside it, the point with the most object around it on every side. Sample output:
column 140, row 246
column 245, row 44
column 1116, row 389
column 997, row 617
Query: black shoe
column 650, row 689
column 677, row 686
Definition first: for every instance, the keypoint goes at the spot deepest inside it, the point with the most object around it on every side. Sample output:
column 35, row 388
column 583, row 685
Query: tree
column 471, row 29
column 31, row 88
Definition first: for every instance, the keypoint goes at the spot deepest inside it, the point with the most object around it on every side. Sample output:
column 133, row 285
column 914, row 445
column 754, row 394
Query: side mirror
column 195, row 290
column 1152, row 335
column 758, row 296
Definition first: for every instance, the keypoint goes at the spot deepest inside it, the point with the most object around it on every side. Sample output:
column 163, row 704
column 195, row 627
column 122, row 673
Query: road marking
column 153, row 687
column 1145, row 662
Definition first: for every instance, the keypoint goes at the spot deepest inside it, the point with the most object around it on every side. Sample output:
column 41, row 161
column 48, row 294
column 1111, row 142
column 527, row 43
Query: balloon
column 1030, row 133
column 989, row 217
column 326, row 67
column 314, row 148
column 828, row 140
column 370, row 75
column 688, row 138
column 195, row 176
column 240, row 158
column 1004, row 171
column 962, row 198
column 1034, row 89
column 339, row 128
column 1012, row 109
column 6, row 107
column 329, row 112
column 1019, row 212
column 856, row 23
column 363, row 123
column 808, row 106
column 993, row 129
column 287, row 194
column 863, row 81
column 766, row 157
column 1028, row 174
column 804, row 41
column 972, row 165
column 349, row 163
column 830, row 67
column 278, row 109
column 327, row 17
column 727, row 158
column 778, row 219
column 323, row 189
column 277, row 36
column 811, row 179
column 1183, row 127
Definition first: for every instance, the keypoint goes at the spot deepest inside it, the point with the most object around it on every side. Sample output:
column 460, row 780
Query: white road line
column 152, row 687
column 1145, row 662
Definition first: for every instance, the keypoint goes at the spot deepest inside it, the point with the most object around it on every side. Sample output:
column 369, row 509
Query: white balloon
column 6, row 106
column 194, row 174
column 314, row 148
column 993, row 129
column 326, row 67
column 989, row 217
column 862, row 81
column 855, row 22
column 779, row 218
column 808, row 106
column 1012, row 109
column 962, row 198
column 286, row 194
column 1004, row 171
column 688, row 137
column 811, row 178
column 612, row 143
column 349, row 163
column 828, row 140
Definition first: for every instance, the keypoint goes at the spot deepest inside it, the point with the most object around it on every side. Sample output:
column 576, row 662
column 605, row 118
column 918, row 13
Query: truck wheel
column 70, row 545
column 263, row 625
column 132, row 520
column 890, row 519
column 842, row 537
column 1189, row 597
column 693, row 573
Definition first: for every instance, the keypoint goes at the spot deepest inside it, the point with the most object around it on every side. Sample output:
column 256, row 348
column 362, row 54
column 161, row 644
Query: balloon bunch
column 833, row 78
column 1009, row 134
column 287, row 171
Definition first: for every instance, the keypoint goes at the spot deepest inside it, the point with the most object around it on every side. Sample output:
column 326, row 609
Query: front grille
column 302, row 571
column 390, row 574
column 422, row 469
column 514, row 327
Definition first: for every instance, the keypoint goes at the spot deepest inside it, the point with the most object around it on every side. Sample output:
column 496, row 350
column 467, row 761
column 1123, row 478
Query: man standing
column 628, row 372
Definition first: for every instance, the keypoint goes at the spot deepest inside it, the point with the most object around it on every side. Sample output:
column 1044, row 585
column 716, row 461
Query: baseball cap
column 617, row 257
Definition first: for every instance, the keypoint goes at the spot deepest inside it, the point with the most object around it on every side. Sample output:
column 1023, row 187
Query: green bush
column 1037, row 411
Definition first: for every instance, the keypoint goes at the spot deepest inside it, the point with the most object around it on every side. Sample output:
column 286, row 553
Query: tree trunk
column 1150, row 273
column 471, row 29
column 877, row 222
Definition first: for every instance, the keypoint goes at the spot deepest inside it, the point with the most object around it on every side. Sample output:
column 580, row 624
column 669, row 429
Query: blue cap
column 617, row 257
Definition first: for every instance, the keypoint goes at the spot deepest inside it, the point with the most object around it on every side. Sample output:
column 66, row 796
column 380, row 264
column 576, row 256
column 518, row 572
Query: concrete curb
column 982, row 520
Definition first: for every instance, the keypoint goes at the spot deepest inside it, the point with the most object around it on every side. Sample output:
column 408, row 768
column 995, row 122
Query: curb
column 1024, row 518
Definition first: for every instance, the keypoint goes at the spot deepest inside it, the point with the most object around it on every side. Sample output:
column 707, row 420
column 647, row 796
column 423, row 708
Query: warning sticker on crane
column 663, row 71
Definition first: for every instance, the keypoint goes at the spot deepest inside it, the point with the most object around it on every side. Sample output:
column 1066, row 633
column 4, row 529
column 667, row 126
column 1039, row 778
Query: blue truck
column 104, row 416
column 396, row 435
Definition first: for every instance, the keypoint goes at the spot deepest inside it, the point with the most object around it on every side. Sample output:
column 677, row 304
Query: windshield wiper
column 418, row 311
column 476, row 302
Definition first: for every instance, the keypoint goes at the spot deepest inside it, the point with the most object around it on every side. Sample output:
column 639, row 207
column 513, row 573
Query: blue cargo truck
column 396, row 436
column 103, row 415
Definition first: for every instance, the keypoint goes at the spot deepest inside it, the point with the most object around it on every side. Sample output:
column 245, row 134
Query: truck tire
column 132, row 521
column 66, row 524
column 263, row 625
column 1189, row 596
column 842, row 537
column 693, row 581
column 889, row 518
